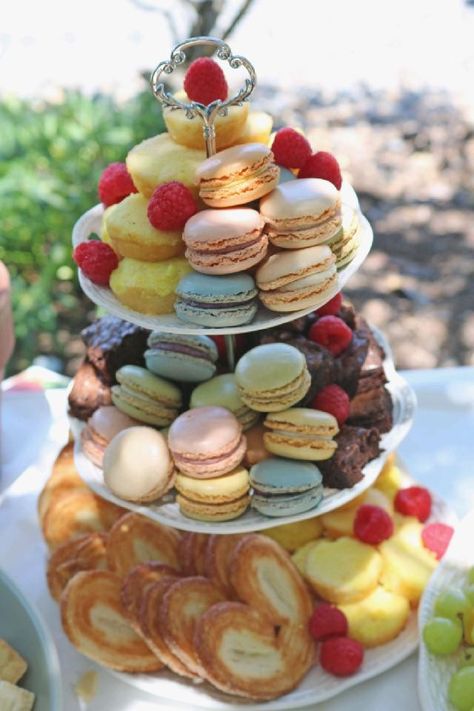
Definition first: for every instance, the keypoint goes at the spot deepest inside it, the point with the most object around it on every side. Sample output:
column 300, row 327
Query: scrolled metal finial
column 194, row 108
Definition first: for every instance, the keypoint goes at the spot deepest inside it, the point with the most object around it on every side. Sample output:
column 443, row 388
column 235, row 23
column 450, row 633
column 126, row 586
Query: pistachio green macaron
column 224, row 392
column 146, row 397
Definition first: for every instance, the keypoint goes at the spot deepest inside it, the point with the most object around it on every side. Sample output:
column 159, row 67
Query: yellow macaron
column 301, row 433
column 218, row 499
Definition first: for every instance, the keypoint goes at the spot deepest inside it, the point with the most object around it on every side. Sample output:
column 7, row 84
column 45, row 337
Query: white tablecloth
column 438, row 452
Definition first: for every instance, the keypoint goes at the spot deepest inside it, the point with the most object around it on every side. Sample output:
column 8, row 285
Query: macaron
column 297, row 279
column 216, row 301
column 184, row 358
column 272, row 377
column 301, row 433
column 104, row 424
column 302, row 213
column 237, row 175
column 345, row 244
column 225, row 241
column 138, row 466
column 283, row 487
column 146, row 397
column 219, row 499
column 206, row 442
column 132, row 235
column 224, row 392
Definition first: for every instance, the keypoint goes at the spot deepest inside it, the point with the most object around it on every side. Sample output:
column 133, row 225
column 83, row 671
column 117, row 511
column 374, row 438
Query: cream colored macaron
column 301, row 433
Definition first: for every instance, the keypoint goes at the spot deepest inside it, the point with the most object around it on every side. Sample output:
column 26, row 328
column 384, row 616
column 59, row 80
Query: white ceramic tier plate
column 434, row 672
column 316, row 687
column 23, row 628
column 90, row 222
column 168, row 513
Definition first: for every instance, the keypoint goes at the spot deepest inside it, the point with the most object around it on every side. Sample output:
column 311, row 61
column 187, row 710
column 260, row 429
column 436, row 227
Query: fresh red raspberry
column 436, row 537
column 332, row 307
column 290, row 149
column 205, row 81
column 414, row 501
column 322, row 165
column 372, row 524
column 327, row 621
column 97, row 260
column 341, row 656
column 332, row 333
column 334, row 400
column 115, row 183
column 170, row 206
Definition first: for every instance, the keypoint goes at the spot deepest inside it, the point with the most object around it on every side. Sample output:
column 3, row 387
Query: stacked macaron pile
column 180, row 357
column 208, row 447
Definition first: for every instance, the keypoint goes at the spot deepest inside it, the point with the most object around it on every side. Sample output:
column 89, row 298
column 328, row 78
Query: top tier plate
column 91, row 222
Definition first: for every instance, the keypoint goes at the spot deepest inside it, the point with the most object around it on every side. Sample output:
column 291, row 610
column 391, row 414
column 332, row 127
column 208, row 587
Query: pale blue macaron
column 285, row 487
column 216, row 301
column 184, row 358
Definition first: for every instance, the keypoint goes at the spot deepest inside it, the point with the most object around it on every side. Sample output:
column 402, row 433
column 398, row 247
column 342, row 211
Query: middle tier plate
column 90, row 222
column 167, row 510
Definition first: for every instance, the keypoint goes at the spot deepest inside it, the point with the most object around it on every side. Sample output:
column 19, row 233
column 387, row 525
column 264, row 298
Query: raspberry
column 436, row 537
column 341, row 656
column 327, row 621
column 372, row 524
column 290, row 148
column 332, row 333
column 205, row 81
column 334, row 400
column 332, row 307
column 97, row 260
column 170, row 206
column 115, row 183
column 414, row 501
column 322, row 165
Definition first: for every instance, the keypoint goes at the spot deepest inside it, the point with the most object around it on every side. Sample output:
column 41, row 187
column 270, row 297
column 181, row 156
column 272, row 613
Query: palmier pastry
column 84, row 553
column 264, row 576
column 218, row 553
column 137, row 582
column 243, row 653
column 63, row 478
column 75, row 513
column 150, row 628
column 192, row 553
column 135, row 539
column 182, row 605
column 93, row 619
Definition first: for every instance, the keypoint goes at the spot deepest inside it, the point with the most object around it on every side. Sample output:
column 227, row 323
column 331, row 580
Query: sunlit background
column 387, row 86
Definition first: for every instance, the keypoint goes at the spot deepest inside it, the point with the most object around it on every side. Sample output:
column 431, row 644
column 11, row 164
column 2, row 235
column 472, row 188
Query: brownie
column 112, row 343
column 372, row 408
column 88, row 392
column 355, row 447
column 349, row 364
column 320, row 363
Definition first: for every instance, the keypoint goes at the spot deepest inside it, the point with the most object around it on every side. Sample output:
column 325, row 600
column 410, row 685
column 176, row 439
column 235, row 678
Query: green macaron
column 146, row 397
column 223, row 391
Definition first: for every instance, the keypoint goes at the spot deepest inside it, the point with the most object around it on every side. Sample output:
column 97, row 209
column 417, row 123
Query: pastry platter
column 90, row 223
column 434, row 672
column 167, row 511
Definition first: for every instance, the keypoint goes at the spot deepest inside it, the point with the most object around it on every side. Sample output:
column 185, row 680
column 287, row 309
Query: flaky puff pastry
column 243, row 653
column 150, row 628
column 84, row 553
column 182, row 606
column 63, row 478
column 217, row 561
column 192, row 553
column 93, row 619
column 137, row 582
column 136, row 539
column 264, row 576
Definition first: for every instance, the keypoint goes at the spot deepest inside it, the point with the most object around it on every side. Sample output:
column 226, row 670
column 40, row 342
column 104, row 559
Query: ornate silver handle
column 216, row 108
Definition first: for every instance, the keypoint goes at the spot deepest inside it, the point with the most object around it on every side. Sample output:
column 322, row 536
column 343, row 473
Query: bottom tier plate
column 434, row 672
column 316, row 687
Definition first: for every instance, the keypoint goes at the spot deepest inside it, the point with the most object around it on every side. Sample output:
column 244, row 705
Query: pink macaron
column 225, row 241
column 206, row 442
column 101, row 428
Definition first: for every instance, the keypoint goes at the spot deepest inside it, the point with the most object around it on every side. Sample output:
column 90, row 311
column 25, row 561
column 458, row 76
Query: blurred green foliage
column 51, row 156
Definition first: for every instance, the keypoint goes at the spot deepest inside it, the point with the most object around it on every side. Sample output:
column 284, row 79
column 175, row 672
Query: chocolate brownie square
column 355, row 447
column 112, row 343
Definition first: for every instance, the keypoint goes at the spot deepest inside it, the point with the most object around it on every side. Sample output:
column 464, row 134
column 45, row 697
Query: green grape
column 461, row 689
column 470, row 575
column 467, row 657
column 469, row 594
column 451, row 603
column 442, row 635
